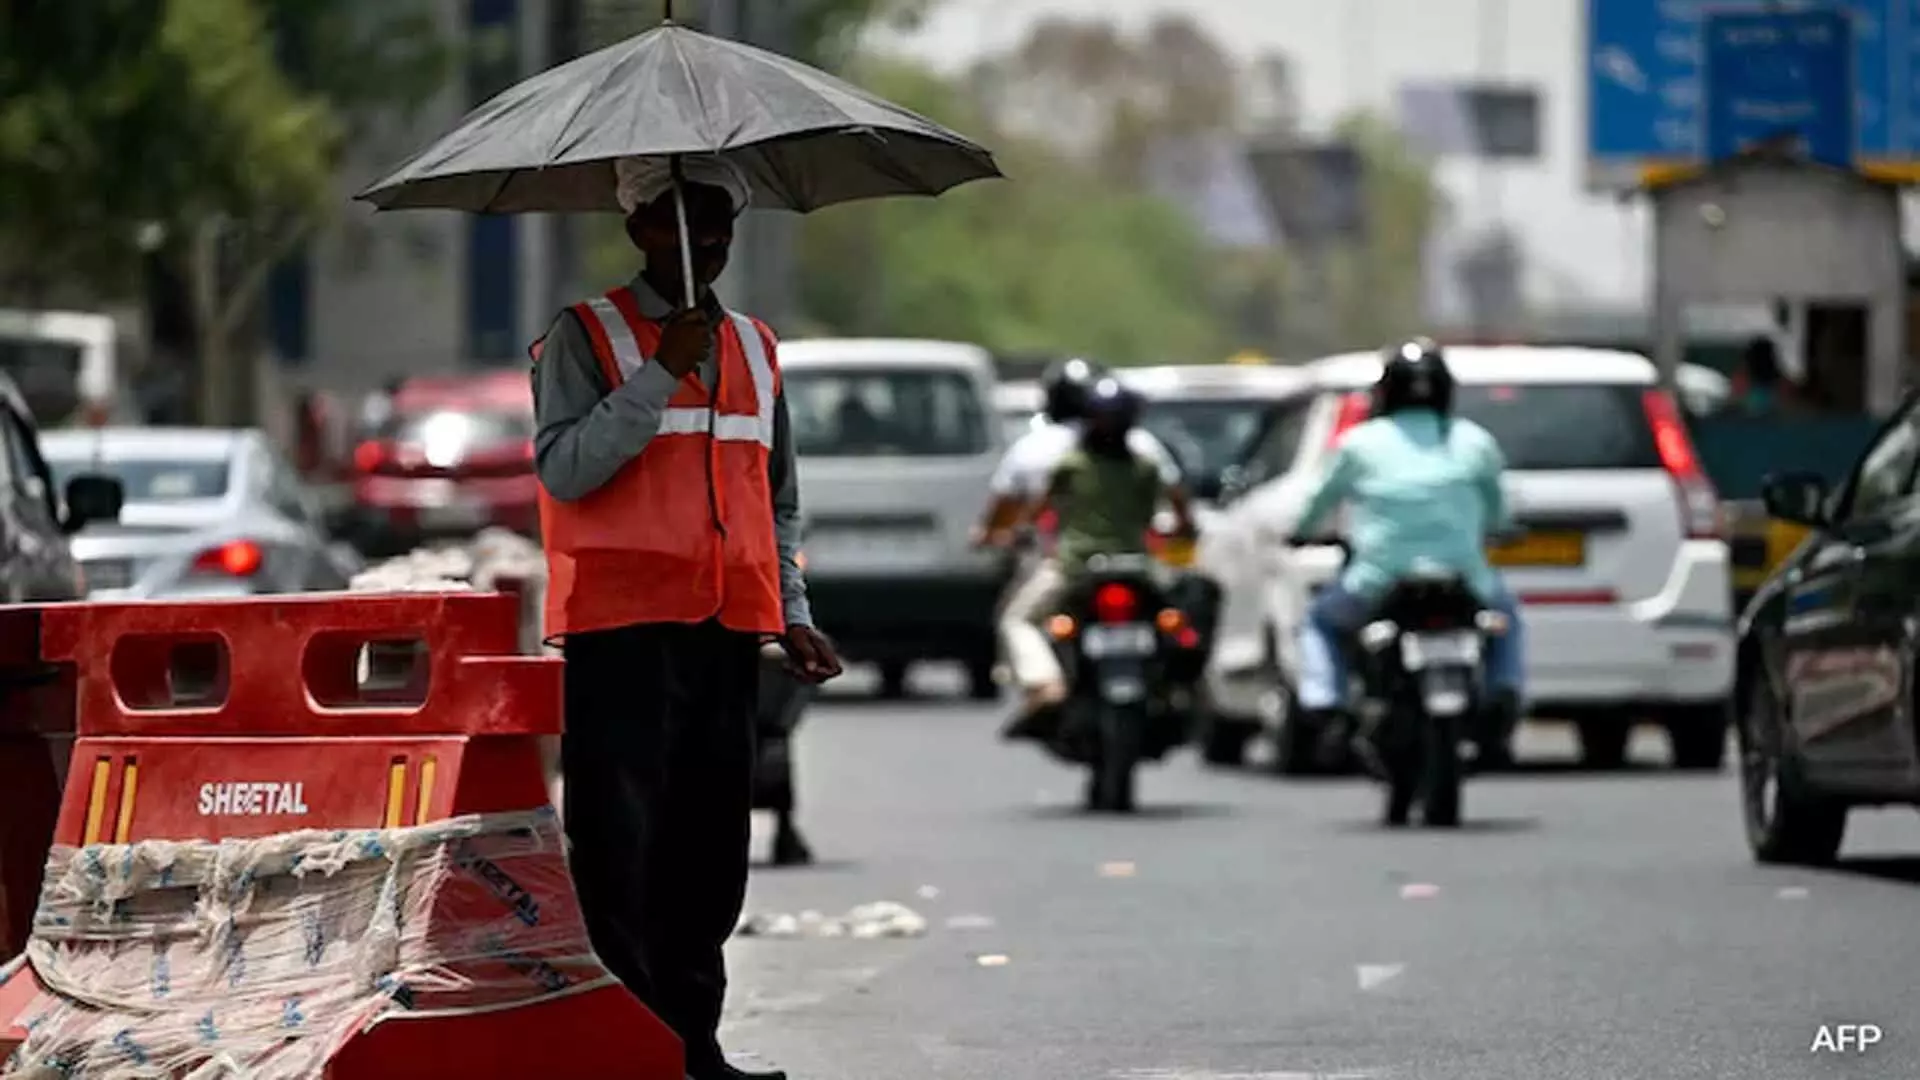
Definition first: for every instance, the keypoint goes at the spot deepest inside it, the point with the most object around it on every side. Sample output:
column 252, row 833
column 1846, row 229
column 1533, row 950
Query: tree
column 197, row 137
column 1379, row 283
column 1061, row 259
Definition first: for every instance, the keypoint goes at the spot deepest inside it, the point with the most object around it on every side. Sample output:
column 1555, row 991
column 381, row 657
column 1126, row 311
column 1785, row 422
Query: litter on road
column 884, row 919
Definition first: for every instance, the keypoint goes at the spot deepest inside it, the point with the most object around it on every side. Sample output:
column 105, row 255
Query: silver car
column 208, row 513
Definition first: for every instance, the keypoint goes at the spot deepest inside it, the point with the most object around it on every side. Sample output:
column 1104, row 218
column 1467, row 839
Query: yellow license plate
column 1541, row 549
column 1177, row 552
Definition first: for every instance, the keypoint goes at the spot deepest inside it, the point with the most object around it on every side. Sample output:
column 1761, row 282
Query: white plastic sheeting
column 491, row 559
column 259, row 958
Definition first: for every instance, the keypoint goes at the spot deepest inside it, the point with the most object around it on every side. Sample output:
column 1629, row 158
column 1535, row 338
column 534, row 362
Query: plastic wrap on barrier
column 260, row 958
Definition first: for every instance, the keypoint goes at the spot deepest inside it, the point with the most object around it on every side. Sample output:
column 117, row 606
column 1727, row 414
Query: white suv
column 1622, row 571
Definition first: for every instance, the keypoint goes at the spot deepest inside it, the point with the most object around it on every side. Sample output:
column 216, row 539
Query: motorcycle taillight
column 1115, row 603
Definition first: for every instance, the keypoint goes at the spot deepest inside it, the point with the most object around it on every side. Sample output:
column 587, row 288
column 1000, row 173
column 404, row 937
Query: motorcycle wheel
column 1440, row 769
column 1400, row 767
column 1121, row 732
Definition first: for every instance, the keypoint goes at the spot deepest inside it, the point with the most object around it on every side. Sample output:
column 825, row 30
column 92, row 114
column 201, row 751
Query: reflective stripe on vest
column 698, row 420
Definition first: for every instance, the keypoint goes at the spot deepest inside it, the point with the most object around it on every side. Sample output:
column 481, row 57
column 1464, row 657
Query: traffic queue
column 1621, row 590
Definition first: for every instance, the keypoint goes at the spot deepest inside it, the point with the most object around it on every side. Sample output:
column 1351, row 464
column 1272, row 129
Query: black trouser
column 658, row 756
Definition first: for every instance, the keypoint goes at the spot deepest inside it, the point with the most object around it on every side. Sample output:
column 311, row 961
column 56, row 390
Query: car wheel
column 893, row 679
column 1296, row 744
column 1224, row 742
column 1698, row 737
column 981, row 685
column 1603, row 741
column 1786, row 824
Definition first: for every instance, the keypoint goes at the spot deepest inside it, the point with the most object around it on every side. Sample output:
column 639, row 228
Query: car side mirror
column 1800, row 498
column 92, row 498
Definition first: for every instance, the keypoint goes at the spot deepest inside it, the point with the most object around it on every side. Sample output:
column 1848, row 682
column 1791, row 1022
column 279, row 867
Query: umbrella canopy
column 803, row 138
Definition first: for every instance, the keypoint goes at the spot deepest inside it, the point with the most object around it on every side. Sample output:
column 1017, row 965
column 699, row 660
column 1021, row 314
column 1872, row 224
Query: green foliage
column 1059, row 258
column 116, row 115
column 1379, row 283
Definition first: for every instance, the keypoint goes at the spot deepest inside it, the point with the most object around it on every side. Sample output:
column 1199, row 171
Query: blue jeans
column 1337, row 614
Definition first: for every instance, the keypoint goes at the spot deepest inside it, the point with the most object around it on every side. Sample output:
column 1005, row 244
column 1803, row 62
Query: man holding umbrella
column 671, row 520
column 668, row 509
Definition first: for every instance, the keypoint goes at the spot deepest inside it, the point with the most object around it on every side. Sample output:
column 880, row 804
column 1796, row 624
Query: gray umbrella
column 804, row 138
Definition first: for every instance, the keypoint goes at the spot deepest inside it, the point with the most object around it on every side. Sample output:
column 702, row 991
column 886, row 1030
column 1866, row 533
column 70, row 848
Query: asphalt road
column 1580, row 927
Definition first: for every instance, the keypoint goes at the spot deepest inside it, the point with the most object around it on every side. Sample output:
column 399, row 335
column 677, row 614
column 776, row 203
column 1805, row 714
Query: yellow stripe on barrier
column 396, row 792
column 129, row 786
column 97, row 799
column 426, row 791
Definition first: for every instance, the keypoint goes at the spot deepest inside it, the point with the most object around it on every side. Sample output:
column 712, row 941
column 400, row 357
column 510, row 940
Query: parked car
column 1827, row 654
column 1212, row 415
column 450, row 456
column 208, row 512
column 39, row 514
column 1622, row 571
column 897, row 441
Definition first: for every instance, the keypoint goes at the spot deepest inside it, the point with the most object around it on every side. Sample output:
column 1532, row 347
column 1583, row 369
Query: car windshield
column 1562, row 425
column 885, row 413
column 151, row 479
column 1206, row 436
column 1015, row 423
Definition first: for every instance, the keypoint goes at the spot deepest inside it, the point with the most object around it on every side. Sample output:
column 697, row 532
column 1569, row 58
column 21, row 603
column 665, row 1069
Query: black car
column 1826, row 686
column 36, row 563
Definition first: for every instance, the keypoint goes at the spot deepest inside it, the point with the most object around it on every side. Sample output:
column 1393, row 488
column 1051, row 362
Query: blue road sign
column 1646, row 95
column 1780, row 76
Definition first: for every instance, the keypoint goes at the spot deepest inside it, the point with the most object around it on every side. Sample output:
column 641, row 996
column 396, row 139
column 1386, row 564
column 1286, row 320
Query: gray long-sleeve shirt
column 586, row 430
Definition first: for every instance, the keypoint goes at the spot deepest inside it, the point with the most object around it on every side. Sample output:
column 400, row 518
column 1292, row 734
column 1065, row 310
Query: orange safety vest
column 683, row 533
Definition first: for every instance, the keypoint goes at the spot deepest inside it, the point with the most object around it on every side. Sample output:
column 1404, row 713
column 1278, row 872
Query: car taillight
column 1115, row 603
column 1355, row 407
column 241, row 558
column 370, row 455
column 1699, row 503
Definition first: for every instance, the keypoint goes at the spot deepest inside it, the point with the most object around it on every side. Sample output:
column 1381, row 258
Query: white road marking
column 1117, row 869
column 970, row 922
column 1374, row 975
column 1419, row 892
column 1792, row 892
column 1205, row 1074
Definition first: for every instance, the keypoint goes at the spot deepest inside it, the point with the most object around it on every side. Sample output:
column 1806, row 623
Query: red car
column 455, row 455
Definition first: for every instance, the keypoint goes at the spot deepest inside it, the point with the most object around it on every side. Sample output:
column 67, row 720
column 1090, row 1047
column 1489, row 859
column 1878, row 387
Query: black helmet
column 1066, row 383
column 1413, row 375
column 1109, row 400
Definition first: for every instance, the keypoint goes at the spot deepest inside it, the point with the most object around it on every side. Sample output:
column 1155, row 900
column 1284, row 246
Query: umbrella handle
column 686, row 245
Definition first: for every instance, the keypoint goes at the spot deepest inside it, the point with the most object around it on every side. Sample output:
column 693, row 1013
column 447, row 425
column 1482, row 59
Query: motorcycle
column 1419, row 692
column 1198, row 598
column 1116, row 633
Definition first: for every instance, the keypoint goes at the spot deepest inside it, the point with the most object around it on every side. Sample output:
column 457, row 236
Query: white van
column 897, row 441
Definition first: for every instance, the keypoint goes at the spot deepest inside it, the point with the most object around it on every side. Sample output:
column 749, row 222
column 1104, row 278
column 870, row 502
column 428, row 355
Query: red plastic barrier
column 36, row 723
column 242, row 719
